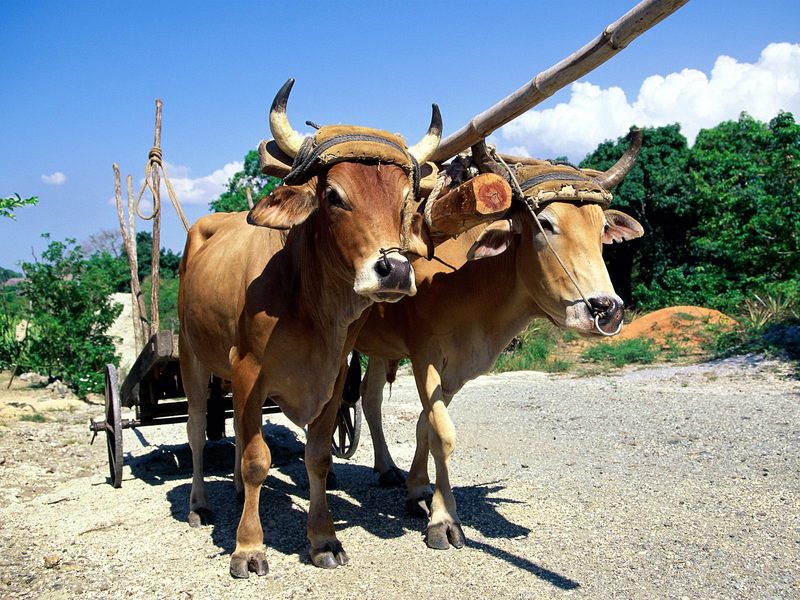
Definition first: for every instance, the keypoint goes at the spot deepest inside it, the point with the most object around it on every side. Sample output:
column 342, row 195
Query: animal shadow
column 357, row 502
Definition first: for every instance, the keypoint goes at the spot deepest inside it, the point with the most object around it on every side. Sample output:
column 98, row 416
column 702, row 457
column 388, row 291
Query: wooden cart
column 153, row 387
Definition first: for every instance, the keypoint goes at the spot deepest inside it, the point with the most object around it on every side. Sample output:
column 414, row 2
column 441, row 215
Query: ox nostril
column 393, row 273
column 383, row 267
column 602, row 304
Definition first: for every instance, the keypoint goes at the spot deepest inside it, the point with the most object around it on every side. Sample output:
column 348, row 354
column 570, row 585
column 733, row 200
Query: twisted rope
column 154, row 163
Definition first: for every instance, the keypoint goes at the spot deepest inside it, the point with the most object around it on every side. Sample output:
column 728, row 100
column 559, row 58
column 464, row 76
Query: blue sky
column 80, row 79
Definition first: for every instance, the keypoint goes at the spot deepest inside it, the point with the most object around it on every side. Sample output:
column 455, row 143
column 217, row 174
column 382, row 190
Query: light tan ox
column 276, row 313
column 460, row 320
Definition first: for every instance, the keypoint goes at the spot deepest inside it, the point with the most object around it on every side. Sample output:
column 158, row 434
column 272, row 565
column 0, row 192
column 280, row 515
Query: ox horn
column 614, row 175
column 287, row 138
column 423, row 149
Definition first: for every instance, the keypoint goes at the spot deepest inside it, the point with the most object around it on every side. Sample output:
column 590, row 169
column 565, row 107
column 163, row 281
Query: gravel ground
column 665, row 482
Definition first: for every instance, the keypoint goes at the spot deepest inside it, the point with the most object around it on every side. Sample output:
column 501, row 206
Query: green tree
column 234, row 199
column 747, row 194
column 6, row 274
column 70, row 313
column 168, row 260
column 656, row 193
column 9, row 204
column 722, row 220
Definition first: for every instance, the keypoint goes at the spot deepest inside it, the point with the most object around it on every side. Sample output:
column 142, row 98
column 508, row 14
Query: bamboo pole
column 614, row 38
column 155, row 263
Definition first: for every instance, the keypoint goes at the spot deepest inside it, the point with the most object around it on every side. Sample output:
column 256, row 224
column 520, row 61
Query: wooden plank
column 160, row 348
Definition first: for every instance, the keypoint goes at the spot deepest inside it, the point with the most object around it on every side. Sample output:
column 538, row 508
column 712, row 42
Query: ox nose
column 393, row 273
column 607, row 311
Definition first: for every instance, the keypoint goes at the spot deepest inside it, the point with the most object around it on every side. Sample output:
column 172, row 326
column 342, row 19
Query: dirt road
column 667, row 482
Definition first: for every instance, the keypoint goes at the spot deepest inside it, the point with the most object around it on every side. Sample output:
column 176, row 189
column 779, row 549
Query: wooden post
column 143, row 323
column 482, row 199
column 129, row 241
column 156, row 187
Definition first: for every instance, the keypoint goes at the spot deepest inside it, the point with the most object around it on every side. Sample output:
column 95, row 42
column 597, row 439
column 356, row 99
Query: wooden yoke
column 482, row 199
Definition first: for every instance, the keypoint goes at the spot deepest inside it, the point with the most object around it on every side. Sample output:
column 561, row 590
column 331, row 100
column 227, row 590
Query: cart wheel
column 113, row 426
column 348, row 430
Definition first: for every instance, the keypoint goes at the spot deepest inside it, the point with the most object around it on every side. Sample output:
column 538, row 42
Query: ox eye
column 547, row 225
column 333, row 198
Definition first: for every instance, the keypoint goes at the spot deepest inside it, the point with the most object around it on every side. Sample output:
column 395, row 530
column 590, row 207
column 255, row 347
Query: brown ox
column 276, row 313
column 463, row 315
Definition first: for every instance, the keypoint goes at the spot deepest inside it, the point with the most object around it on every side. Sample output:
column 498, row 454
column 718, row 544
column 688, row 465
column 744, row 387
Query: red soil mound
column 688, row 327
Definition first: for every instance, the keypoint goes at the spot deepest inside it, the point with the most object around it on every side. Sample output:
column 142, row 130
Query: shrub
column 10, row 347
column 167, row 301
column 70, row 312
column 623, row 352
column 768, row 323
column 530, row 350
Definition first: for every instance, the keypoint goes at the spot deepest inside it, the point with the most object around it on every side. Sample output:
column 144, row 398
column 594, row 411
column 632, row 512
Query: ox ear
column 620, row 227
column 417, row 239
column 285, row 207
column 495, row 239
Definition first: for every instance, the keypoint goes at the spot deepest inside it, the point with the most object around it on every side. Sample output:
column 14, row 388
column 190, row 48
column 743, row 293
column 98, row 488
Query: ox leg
column 444, row 527
column 419, row 492
column 238, row 484
column 249, row 554
column 371, row 401
column 195, row 379
column 326, row 550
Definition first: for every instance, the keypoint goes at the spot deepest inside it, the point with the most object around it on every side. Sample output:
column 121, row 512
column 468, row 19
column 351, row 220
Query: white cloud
column 57, row 178
column 690, row 97
column 199, row 190
column 190, row 190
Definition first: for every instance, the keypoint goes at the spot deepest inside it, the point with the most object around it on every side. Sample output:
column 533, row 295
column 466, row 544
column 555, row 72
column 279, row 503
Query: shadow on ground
column 361, row 503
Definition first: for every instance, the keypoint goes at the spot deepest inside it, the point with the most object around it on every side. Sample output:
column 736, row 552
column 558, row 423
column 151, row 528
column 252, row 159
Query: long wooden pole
column 129, row 240
column 154, row 268
column 614, row 38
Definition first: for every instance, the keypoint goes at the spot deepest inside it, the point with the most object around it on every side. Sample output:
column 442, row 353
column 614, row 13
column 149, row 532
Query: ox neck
column 514, row 306
column 326, row 295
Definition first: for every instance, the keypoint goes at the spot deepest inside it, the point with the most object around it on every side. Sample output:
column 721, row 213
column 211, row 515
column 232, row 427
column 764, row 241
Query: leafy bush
column 768, row 323
column 10, row 318
column 69, row 314
column 531, row 350
column 623, row 352
column 167, row 301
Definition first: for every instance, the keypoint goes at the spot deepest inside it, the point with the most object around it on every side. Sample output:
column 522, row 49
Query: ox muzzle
column 386, row 277
column 602, row 316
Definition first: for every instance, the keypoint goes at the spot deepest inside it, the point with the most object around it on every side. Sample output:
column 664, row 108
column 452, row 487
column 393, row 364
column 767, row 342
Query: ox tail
column 352, row 384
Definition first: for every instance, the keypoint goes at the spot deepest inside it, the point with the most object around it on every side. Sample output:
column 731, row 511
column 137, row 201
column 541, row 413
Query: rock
column 51, row 561
column 57, row 388
column 33, row 378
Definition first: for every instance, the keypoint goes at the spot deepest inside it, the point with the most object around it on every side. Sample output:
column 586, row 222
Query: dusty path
column 668, row 482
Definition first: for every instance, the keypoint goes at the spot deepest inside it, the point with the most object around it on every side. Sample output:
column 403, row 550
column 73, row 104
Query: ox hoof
column 419, row 508
column 331, row 481
column 441, row 535
column 393, row 478
column 244, row 562
column 330, row 556
column 199, row 517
